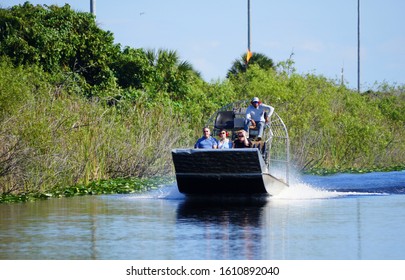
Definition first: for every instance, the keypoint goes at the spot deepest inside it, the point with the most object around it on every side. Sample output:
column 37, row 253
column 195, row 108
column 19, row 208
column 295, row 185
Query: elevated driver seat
column 224, row 120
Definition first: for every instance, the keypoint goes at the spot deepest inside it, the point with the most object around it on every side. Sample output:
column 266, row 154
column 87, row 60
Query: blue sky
column 211, row 34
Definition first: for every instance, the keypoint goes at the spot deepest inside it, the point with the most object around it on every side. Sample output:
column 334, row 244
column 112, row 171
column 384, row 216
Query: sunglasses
column 223, row 133
column 240, row 135
column 206, row 130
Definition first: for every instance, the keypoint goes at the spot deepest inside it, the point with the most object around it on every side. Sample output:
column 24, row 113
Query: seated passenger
column 206, row 141
column 223, row 142
column 242, row 141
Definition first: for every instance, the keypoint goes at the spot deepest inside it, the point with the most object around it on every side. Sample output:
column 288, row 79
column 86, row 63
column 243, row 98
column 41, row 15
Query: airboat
column 261, row 170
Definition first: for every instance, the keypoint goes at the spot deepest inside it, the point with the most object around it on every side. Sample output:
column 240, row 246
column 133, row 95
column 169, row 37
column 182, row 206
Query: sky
column 211, row 34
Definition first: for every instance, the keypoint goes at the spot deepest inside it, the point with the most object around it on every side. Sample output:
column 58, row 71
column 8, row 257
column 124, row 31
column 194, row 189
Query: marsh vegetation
column 77, row 109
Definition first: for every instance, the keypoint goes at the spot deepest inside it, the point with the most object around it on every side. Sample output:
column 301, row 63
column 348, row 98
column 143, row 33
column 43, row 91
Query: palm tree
column 170, row 73
column 162, row 68
column 240, row 65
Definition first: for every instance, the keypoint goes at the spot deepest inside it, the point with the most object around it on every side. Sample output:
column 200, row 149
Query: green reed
column 55, row 139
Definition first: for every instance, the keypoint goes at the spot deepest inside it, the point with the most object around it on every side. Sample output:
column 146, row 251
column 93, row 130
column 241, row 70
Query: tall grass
column 50, row 139
column 50, row 135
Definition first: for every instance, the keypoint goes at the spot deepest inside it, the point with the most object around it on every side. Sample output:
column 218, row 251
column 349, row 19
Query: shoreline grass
column 101, row 187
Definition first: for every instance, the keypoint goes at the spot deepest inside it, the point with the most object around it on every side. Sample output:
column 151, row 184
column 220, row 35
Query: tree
column 171, row 75
column 156, row 71
column 57, row 39
column 240, row 65
column 132, row 68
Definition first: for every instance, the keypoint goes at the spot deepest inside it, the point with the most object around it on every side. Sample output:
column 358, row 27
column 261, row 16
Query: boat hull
column 233, row 171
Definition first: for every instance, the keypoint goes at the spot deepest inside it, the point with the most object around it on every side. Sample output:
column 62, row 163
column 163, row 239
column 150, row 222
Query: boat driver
column 255, row 116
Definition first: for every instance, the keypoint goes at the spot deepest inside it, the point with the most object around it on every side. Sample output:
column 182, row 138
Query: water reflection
column 231, row 228
column 242, row 212
column 53, row 229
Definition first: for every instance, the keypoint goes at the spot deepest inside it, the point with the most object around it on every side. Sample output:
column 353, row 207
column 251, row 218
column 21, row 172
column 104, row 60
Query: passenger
column 255, row 116
column 224, row 142
column 206, row 141
column 242, row 141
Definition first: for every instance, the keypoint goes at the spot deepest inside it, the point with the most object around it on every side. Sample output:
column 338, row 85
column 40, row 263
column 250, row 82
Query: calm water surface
column 336, row 217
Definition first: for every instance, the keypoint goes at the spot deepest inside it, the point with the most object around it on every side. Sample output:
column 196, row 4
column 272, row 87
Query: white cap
column 255, row 99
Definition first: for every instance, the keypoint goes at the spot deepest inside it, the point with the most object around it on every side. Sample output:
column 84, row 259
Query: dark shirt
column 241, row 144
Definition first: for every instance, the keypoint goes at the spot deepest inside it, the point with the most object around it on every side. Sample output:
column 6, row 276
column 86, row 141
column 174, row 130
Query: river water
column 338, row 217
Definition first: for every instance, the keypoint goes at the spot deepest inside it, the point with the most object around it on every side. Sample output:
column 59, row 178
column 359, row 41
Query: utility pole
column 358, row 46
column 249, row 53
column 93, row 7
column 248, row 15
